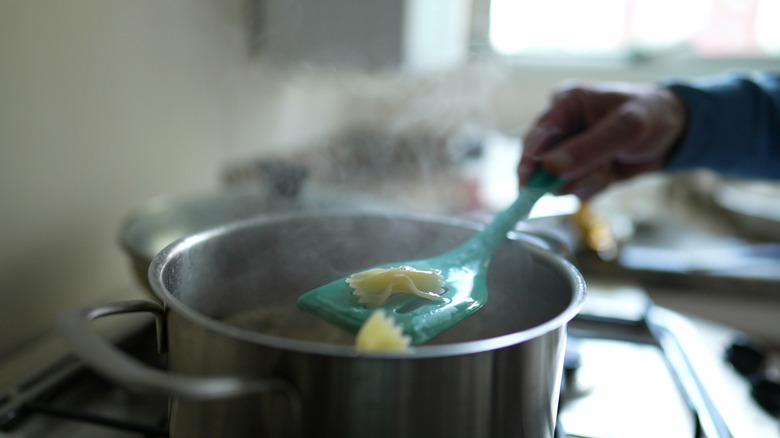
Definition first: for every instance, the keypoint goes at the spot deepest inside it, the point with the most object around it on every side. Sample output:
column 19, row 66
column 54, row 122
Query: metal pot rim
column 171, row 303
column 164, row 219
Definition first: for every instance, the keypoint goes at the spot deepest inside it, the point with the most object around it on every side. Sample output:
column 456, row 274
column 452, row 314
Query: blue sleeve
column 733, row 125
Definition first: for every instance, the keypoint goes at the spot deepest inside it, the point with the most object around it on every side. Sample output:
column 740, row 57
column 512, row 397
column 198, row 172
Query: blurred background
column 107, row 104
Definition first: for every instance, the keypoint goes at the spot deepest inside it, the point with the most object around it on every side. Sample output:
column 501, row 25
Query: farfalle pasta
column 375, row 286
column 380, row 333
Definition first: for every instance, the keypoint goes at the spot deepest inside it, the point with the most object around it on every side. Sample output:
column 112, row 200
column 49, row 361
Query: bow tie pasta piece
column 375, row 286
column 380, row 333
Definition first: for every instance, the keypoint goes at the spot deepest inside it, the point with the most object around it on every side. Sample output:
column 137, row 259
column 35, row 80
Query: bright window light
column 767, row 26
column 521, row 26
column 615, row 27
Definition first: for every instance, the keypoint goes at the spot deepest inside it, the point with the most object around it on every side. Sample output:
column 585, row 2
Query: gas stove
column 635, row 369
column 632, row 369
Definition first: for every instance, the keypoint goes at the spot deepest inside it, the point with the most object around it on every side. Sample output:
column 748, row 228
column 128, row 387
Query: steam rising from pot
column 353, row 128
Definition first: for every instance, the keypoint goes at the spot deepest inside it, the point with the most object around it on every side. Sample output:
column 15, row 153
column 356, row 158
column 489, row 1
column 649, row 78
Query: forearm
column 733, row 125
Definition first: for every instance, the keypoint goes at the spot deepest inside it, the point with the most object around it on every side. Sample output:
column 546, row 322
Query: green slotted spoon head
column 463, row 270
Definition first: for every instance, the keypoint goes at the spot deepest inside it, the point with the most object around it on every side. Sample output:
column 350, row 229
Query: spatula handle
column 544, row 180
column 495, row 232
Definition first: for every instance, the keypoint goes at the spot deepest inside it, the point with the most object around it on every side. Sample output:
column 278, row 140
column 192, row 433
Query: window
column 614, row 28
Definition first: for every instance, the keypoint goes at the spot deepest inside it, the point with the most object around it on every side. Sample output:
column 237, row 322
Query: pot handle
column 117, row 366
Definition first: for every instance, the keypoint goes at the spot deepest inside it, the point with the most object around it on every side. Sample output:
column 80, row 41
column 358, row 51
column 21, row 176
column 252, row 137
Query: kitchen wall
column 103, row 104
column 106, row 104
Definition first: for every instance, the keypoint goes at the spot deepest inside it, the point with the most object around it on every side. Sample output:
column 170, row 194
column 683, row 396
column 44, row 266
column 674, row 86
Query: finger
column 594, row 182
column 598, row 180
column 665, row 118
column 564, row 118
column 625, row 171
column 542, row 137
column 587, row 151
column 526, row 169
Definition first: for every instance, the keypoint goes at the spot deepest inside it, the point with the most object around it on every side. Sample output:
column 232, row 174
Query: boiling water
column 289, row 323
column 292, row 323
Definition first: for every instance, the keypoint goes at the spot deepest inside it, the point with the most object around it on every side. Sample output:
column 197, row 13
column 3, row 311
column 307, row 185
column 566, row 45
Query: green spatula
column 463, row 270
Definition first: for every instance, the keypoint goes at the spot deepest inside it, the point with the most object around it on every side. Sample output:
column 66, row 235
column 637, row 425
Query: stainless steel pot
column 497, row 374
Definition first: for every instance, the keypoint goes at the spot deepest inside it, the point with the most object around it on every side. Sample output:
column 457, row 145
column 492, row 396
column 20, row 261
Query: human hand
column 594, row 135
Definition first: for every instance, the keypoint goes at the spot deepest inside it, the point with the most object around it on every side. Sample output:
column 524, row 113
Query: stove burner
column 746, row 356
column 766, row 392
column 750, row 360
